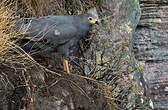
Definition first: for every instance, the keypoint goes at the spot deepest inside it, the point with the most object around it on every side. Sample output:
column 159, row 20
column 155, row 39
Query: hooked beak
column 97, row 22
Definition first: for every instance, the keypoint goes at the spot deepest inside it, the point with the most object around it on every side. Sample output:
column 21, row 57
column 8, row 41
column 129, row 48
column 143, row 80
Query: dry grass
column 5, row 28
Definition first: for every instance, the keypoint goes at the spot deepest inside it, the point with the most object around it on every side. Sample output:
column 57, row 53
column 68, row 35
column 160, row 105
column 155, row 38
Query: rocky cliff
column 150, row 46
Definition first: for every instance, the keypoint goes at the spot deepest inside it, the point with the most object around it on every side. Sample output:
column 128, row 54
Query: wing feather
column 60, row 34
column 48, row 31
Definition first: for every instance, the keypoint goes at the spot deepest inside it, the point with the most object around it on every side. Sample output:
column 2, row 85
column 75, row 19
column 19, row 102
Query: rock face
column 119, row 29
column 65, row 92
column 69, row 93
column 151, row 49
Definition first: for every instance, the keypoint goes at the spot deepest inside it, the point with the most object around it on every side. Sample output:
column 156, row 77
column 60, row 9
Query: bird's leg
column 65, row 63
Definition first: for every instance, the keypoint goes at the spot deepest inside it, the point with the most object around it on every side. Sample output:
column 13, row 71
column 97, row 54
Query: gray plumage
column 56, row 33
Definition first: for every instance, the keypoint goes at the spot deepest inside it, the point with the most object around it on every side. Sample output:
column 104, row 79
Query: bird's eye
column 90, row 18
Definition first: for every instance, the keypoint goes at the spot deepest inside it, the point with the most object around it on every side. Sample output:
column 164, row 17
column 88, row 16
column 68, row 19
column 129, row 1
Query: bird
column 56, row 33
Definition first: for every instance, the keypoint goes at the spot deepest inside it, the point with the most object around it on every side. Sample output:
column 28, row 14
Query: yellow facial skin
column 92, row 20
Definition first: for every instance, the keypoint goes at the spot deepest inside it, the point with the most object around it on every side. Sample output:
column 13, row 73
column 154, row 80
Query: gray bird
column 56, row 33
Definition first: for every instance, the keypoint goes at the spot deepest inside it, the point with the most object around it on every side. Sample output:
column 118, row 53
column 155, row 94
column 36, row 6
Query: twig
column 12, row 44
column 7, row 81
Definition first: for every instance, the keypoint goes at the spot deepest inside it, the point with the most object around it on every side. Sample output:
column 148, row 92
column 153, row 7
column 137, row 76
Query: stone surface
column 69, row 93
column 120, row 18
column 151, row 50
column 52, row 92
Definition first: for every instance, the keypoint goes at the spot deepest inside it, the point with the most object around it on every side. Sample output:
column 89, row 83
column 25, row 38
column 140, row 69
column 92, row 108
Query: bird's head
column 93, row 16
